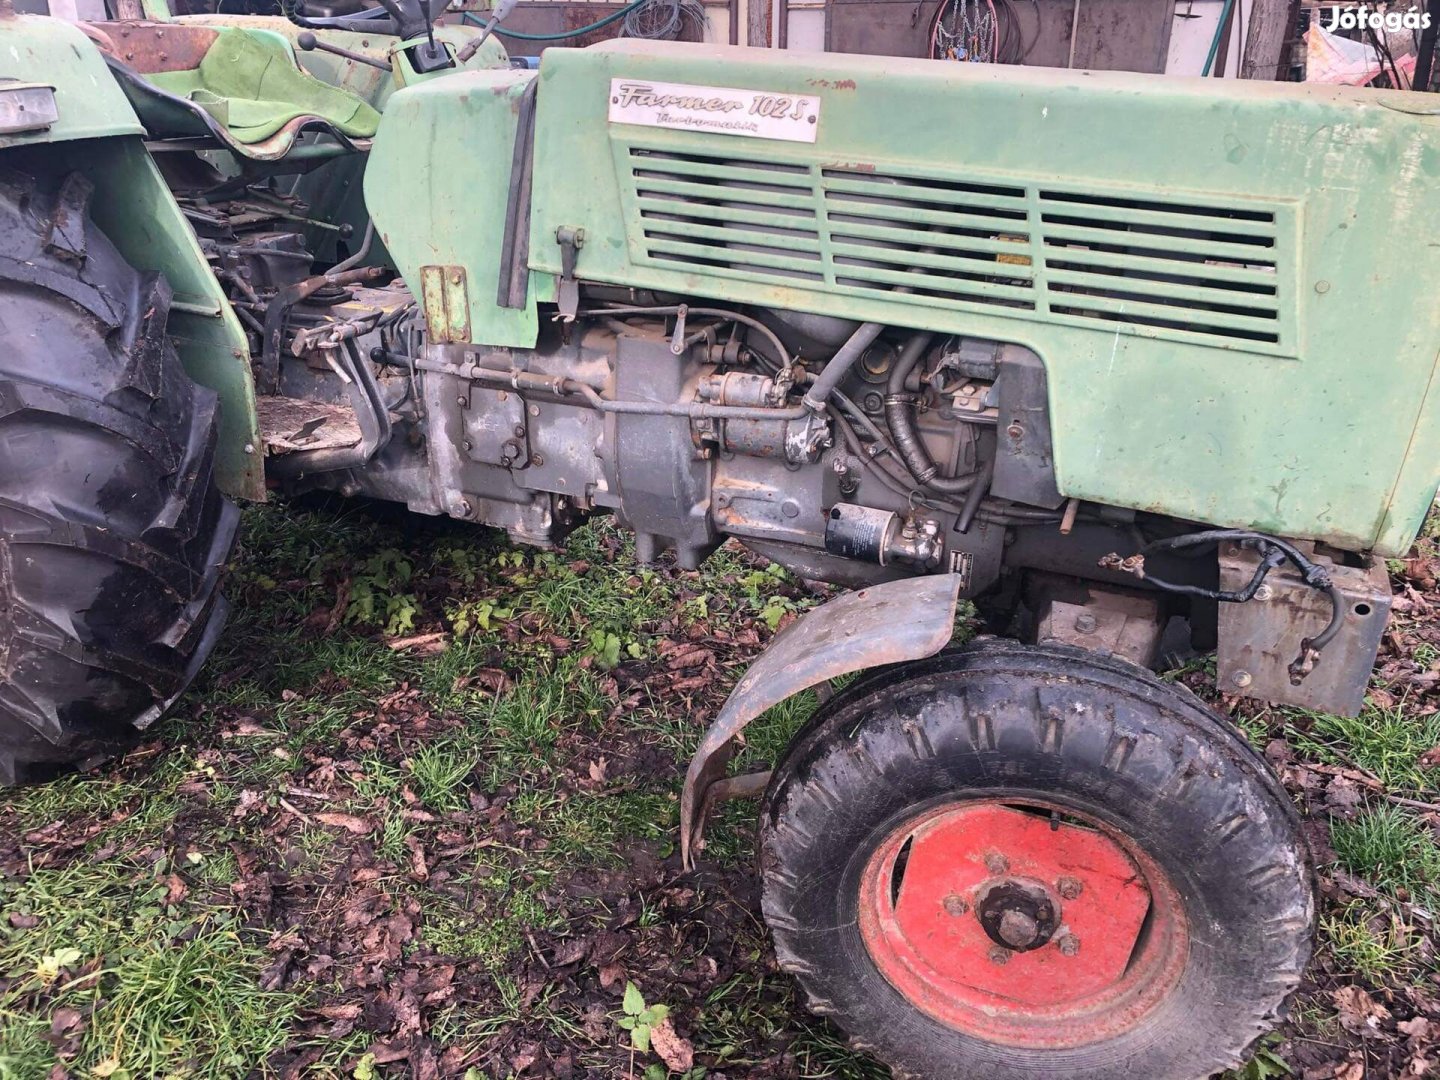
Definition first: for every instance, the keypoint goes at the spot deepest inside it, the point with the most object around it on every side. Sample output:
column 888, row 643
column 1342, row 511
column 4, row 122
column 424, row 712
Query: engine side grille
column 936, row 238
column 1164, row 267
column 1198, row 269
column 727, row 213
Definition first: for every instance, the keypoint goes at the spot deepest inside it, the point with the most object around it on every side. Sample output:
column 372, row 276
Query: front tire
column 113, row 534
column 1014, row 862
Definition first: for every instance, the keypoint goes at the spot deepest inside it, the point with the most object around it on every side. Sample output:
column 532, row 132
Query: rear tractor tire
column 1012, row 862
column 113, row 534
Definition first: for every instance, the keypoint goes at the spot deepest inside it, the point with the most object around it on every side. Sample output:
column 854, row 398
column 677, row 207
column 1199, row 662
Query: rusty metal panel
column 1260, row 638
column 558, row 16
column 883, row 624
column 879, row 27
column 1111, row 35
column 447, row 310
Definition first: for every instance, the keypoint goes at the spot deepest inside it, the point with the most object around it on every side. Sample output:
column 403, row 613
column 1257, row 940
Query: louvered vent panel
column 937, row 238
column 729, row 213
column 1206, row 270
column 1188, row 270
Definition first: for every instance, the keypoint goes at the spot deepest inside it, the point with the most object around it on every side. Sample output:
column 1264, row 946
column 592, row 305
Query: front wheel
column 1014, row 862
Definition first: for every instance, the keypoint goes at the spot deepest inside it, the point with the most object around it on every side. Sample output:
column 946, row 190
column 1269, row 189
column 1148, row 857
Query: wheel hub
column 1018, row 914
column 1020, row 922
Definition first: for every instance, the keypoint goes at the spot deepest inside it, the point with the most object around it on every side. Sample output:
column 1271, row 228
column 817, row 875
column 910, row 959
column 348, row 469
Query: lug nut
column 1069, row 945
column 998, row 955
column 1069, row 888
column 996, row 863
column 955, row 905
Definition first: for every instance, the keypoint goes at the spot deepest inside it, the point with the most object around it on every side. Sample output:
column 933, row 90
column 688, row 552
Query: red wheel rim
column 1022, row 922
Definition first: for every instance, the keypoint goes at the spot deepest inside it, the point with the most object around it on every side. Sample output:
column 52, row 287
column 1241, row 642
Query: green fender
column 97, row 133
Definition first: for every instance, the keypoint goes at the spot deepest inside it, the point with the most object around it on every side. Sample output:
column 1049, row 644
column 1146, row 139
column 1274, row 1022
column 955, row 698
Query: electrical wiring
column 1273, row 551
column 662, row 19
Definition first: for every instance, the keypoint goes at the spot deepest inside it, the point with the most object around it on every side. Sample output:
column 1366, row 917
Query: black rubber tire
column 113, row 534
column 1098, row 735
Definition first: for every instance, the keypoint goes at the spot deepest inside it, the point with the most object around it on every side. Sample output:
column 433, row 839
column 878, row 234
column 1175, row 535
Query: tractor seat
column 242, row 86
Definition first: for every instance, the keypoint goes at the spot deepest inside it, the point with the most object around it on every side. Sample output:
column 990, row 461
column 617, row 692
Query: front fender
column 883, row 624
column 52, row 52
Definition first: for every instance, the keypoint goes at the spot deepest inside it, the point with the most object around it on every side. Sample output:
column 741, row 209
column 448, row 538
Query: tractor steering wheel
column 404, row 19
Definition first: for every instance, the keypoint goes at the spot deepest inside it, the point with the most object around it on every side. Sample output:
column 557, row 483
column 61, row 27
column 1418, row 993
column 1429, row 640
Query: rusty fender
column 883, row 624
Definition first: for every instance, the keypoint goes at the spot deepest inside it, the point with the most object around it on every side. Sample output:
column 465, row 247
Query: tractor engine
column 687, row 421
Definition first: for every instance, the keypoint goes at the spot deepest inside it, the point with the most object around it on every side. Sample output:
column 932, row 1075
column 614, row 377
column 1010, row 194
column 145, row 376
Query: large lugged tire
column 113, row 534
column 1012, row 862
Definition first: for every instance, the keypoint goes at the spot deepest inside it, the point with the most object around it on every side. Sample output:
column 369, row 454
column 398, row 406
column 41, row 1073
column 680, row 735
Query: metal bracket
column 883, row 624
column 571, row 240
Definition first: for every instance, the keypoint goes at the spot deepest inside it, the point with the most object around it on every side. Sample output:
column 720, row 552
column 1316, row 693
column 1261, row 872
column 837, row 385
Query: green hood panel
column 1231, row 285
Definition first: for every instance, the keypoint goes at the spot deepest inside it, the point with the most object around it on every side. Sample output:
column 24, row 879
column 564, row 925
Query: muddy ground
column 418, row 820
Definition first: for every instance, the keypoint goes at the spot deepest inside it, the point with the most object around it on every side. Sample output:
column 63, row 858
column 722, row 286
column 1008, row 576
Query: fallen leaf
column 349, row 822
column 1359, row 1012
column 611, row 974
column 423, row 644
column 1430, row 759
column 1418, row 1028
column 597, row 770
column 675, row 1051
column 62, row 1021
column 23, row 922
column 175, row 891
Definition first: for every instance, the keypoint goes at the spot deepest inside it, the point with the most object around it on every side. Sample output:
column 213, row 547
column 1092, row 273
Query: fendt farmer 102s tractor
column 1112, row 356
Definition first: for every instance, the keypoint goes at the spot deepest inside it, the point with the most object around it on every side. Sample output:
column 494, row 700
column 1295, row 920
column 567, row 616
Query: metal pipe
column 341, row 267
column 974, row 498
column 565, row 387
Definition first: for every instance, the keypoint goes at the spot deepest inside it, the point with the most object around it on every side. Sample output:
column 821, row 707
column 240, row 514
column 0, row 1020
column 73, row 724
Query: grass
column 543, row 740
column 1389, row 847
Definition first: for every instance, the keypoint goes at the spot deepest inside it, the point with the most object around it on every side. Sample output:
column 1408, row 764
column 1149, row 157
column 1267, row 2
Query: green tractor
column 1133, row 364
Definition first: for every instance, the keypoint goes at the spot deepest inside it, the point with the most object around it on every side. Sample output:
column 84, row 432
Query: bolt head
column 1085, row 623
column 996, row 863
column 999, row 955
column 1242, row 679
column 1018, row 929
column 1069, row 888
column 1069, row 945
column 1015, row 431
column 955, row 905
column 1264, row 592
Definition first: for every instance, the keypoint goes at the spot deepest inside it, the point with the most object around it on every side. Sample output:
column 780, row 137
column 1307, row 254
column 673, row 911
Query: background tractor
column 1130, row 363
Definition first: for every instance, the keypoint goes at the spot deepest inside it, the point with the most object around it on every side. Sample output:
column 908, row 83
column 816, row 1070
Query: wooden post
column 1265, row 39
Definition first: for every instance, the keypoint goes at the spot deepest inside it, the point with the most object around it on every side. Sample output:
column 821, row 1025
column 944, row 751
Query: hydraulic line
column 833, row 374
column 901, row 421
column 1273, row 551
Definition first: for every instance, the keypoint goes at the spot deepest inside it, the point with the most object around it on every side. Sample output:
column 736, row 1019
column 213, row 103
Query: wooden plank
column 1264, row 56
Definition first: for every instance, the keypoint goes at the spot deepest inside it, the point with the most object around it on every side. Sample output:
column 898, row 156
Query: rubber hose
column 901, row 421
column 840, row 364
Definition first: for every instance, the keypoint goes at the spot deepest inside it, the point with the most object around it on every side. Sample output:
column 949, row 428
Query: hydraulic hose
column 901, row 421
column 840, row 364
